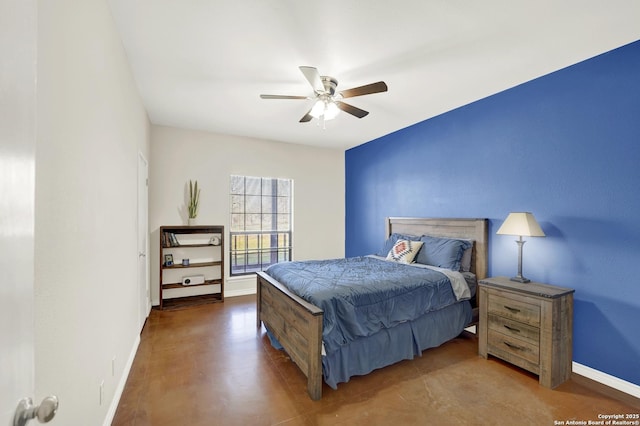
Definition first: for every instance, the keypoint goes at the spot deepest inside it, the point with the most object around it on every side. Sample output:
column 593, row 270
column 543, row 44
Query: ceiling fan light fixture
column 324, row 108
column 331, row 111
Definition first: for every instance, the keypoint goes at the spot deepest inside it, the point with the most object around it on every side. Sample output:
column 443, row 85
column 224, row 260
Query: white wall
column 178, row 155
column 91, row 126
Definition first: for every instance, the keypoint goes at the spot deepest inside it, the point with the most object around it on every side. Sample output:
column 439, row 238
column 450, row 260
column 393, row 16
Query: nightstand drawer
column 514, row 329
column 515, row 309
column 506, row 347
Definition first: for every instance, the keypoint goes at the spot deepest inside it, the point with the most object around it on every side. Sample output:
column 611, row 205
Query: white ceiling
column 202, row 64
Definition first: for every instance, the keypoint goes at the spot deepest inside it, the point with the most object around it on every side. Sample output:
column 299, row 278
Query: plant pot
column 192, row 221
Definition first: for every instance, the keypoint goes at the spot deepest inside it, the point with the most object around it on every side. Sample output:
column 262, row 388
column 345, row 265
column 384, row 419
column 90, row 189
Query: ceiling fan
column 327, row 102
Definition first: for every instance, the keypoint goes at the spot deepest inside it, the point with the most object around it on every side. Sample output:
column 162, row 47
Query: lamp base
column 519, row 278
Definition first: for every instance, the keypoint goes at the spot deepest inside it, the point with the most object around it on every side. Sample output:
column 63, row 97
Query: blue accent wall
column 566, row 147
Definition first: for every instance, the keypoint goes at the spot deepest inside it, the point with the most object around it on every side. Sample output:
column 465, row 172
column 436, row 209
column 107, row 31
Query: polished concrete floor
column 210, row 365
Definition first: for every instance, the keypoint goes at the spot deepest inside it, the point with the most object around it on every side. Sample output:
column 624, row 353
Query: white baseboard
column 607, row 380
column 123, row 381
column 239, row 292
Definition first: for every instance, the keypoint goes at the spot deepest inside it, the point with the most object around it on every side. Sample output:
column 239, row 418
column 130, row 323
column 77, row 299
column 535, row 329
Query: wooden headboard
column 469, row 229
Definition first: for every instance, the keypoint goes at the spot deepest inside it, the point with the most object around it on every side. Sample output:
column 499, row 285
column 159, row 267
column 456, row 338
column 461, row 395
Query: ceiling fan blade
column 307, row 117
column 368, row 89
column 313, row 77
column 352, row 110
column 282, row 97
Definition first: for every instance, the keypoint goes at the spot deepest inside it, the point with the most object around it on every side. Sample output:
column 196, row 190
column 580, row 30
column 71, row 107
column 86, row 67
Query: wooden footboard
column 296, row 324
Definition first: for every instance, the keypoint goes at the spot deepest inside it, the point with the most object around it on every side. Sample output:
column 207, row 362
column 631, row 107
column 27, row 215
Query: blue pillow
column 392, row 240
column 442, row 252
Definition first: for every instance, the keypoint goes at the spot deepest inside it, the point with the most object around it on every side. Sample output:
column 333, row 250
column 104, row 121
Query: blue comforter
column 362, row 295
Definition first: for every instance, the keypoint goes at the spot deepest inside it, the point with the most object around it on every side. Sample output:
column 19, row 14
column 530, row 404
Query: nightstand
column 529, row 325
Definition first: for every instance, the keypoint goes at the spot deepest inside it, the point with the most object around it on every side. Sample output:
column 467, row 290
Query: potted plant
column 194, row 199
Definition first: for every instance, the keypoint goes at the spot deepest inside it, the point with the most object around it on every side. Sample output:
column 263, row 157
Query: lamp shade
column 522, row 224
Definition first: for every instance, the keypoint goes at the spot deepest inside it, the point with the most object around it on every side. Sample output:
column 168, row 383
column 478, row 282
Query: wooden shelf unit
column 184, row 242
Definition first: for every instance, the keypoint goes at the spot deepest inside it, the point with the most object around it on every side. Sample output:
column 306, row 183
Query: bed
column 297, row 324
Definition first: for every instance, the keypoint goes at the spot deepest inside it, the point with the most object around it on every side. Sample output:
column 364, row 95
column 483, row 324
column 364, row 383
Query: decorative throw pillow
column 404, row 251
column 393, row 238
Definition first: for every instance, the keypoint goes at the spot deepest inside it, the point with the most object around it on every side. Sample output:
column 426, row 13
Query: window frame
column 264, row 233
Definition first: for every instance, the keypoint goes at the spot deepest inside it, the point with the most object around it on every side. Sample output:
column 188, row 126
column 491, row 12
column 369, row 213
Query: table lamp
column 522, row 224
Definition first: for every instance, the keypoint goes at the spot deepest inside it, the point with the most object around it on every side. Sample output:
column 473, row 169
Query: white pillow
column 403, row 251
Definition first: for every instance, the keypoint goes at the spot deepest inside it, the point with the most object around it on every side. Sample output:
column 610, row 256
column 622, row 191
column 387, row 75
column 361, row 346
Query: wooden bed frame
column 297, row 324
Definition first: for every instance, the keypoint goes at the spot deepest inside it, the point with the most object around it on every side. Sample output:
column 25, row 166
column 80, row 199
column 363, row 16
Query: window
column 261, row 223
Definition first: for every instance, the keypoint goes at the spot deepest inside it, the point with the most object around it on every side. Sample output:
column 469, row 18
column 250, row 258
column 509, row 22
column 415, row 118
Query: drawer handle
column 515, row 330
column 514, row 310
column 512, row 346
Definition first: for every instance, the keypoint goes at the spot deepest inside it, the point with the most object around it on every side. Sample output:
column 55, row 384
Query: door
column 18, row 44
column 144, row 301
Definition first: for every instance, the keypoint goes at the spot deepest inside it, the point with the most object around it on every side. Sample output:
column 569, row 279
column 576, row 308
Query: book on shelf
column 169, row 239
